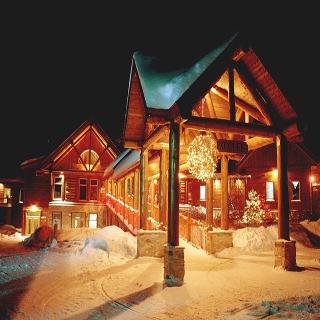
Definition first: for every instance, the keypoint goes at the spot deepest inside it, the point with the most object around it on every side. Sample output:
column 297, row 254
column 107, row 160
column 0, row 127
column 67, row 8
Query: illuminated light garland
column 202, row 157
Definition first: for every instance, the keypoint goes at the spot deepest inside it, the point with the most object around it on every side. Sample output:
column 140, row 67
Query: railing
column 127, row 215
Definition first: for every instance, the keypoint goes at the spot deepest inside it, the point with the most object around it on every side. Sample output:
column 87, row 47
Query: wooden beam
column 173, row 186
column 156, row 120
column 79, row 155
column 246, row 107
column 163, row 194
column 231, row 99
column 143, row 189
column 258, row 142
column 249, row 82
column 132, row 144
column 224, row 193
column 209, row 204
column 212, row 112
column 221, row 125
column 283, row 196
column 154, row 137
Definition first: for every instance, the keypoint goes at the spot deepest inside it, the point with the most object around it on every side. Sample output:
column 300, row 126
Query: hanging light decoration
column 202, row 157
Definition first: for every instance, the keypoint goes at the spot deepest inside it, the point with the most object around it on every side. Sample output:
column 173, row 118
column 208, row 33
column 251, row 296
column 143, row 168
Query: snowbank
column 251, row 239
column 121, row 242
column 312, row 226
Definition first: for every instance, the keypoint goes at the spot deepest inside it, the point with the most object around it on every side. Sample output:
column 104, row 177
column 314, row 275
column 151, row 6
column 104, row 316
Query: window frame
column 202, row 189
column 61, row 184
column 293, row 188
column 91, row 187
column 267, row 193
column 86, row 188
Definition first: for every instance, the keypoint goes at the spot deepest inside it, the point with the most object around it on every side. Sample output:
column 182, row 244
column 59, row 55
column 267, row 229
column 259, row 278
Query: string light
column 202, row 157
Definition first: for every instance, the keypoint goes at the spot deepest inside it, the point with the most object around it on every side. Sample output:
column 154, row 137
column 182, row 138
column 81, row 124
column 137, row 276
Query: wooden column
column 136, row 190
column 209, row 204
column 247, row 120
column 231, row 94
column 224, row 193
column 163, row 192
column 143, row 188
column 173, row 185
column 283, row 197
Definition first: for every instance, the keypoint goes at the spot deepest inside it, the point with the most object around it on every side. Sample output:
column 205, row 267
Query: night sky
column 62, row 66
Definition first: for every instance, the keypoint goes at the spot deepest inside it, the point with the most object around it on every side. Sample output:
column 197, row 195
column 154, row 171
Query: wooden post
column 231, row 94
column 224, row 193
column 136, row 190
column 283, row 198
column 209, row 204
column 163, row 194
column 173, row 185
column 143, row 188
column 247, row 120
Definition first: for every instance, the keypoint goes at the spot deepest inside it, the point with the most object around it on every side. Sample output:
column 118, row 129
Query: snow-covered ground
column 71, row 281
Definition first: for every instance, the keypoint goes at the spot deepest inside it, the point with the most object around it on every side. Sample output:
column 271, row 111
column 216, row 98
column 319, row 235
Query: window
column 90, row 158
column 76, row 220
column 269, row 191
column 83, row 189
column 202, row 193
column 5, row 194
column 93, row 189
column 57, row 188
column 92, row 220
column 295, row 190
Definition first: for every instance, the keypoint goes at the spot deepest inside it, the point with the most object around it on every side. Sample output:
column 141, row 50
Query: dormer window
column 90, row 158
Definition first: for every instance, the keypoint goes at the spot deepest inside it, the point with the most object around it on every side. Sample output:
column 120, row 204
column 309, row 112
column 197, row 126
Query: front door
column 77, row 220
column 32, row 220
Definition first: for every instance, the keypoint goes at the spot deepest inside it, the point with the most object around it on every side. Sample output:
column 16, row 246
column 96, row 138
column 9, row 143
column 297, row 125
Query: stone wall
column 218, row 240
column 150, row 243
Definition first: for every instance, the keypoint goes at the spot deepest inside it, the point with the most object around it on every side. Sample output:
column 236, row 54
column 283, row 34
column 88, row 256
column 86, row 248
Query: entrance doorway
column 77, row 220
column 32, row 220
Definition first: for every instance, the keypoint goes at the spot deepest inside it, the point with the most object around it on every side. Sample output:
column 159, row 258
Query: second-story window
column 83, row 189
column 57, row 188
column 93, row 189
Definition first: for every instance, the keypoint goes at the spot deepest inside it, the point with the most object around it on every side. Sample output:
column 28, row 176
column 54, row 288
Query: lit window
column 57, row 188
column 94, row 189
column 295, row 190
column 269, row 191
column 202, row 193
column 5, row 194
column 83, row 189
column 90, row 158
column 92, row 220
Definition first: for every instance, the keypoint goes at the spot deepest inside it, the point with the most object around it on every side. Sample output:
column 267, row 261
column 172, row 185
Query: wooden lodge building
column 148, row 189
column 66, row 187
column 229, row 95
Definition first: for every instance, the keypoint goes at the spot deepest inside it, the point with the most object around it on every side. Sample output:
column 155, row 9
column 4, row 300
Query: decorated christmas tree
column 253, row 213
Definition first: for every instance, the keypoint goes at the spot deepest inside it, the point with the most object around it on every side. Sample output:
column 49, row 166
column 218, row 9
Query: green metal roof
column 162, row 86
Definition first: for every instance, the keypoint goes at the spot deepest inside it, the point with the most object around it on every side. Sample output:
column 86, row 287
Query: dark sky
column 62, row 66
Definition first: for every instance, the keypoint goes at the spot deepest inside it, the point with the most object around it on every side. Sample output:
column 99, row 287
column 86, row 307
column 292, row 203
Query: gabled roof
column 45, row 162
column 159, row 88
column 162, row 86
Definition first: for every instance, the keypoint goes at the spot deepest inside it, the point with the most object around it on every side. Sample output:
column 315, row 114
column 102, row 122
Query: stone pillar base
column 173, row 266
column 218, row 240
column 150, row 243
column 285, row 255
